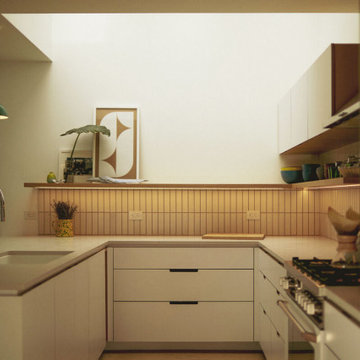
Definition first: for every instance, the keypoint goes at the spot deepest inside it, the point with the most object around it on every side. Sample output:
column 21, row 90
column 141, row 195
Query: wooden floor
column 182, row 356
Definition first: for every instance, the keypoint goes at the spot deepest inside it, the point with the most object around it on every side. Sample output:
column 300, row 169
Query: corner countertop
column 17, row 279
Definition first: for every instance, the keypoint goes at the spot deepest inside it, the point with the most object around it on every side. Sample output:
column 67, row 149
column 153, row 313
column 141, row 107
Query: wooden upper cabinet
column 345, row 75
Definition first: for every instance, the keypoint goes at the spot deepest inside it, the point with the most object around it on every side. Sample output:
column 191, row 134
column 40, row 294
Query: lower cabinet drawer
column 271, row 268
column 269, row 297
column 201, row 322
column 165, row 285
column 199, row 258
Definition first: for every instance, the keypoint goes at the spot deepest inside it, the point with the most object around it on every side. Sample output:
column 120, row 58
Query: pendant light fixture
column 3, row 113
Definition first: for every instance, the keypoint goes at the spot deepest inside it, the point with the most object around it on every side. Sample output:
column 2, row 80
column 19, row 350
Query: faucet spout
column 2, row 206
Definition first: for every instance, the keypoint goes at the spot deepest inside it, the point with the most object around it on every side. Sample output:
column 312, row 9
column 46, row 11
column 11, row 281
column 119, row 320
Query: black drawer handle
column 183, row 302
column 278, row 292
column 264, row 276
column 183, row 270
column 277, row 333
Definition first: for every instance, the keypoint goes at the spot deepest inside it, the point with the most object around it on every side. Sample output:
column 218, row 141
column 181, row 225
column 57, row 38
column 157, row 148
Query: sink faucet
column 2, row 206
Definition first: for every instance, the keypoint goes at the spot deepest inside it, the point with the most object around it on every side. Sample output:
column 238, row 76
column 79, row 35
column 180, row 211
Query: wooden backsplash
column 198, row 211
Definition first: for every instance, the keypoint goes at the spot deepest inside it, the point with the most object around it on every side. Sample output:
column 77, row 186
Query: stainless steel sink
column 30, row 257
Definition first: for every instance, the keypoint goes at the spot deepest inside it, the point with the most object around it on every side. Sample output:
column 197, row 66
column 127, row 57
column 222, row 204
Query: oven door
column 304, row 336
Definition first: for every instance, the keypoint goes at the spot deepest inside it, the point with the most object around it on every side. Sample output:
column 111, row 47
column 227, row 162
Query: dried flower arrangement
column 64, row 210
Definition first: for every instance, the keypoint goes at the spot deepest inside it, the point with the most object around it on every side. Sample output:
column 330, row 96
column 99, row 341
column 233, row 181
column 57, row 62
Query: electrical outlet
column 30, row 215
column 253, row 215
column 136, row 215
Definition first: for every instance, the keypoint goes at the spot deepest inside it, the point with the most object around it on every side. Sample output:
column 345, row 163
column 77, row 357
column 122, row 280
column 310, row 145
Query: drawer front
column 269, row 296
column 161, row 321
column 199, row 258
column 341, row 334
column 165, row 285
column 271, row 269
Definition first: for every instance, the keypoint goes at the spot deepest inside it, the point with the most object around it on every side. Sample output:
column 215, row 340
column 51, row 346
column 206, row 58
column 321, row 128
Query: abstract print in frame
column 117, row 155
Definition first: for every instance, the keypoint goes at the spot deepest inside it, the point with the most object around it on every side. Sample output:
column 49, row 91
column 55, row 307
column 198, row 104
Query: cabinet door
column 65, row 315
column 319, row 94
column 265, row 334
column 38, row 323
column 97, row 313
column 284, row 123
column 299, row 111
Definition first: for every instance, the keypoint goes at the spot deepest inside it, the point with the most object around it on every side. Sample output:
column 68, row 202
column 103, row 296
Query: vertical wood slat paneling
column 195, row 212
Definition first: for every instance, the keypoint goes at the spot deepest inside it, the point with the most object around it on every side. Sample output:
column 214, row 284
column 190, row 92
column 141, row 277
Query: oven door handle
column 305, row 334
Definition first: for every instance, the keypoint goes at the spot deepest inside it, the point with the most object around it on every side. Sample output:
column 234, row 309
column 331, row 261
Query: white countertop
column 17, row 279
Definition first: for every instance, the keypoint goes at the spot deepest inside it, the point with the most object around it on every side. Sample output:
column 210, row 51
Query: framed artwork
column 117, row 155
column 83, row 161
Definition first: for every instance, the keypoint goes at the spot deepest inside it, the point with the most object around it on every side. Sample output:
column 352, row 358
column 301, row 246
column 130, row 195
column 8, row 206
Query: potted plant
column 65, row 212
column 95, row 129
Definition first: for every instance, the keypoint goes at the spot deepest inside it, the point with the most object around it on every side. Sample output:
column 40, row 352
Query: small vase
column 63, row 227
column 346, row 251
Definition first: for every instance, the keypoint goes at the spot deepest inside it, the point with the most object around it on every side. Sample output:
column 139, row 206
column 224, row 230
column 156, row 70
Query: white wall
column 38, row 29
column 207, row 87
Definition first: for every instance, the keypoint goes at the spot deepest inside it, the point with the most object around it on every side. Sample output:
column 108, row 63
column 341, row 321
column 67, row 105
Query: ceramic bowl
column 309, row 172
column 291, row 174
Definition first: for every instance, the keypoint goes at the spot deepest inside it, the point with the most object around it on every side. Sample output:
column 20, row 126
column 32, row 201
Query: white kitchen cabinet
column 319, row 94
column 271, row 321
column 80, row 310
column 198, row 322
column 342, row 333
column 299, row 111
column 327, row 87
column 166, row 285
column 284, row 123
column 38, row 317
column 97, row 309
column 181, row 295
column 58, row 319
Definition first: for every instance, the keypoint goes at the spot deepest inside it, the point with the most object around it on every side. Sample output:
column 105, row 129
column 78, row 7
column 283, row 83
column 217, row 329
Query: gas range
column 315, row 274
column 306, row 283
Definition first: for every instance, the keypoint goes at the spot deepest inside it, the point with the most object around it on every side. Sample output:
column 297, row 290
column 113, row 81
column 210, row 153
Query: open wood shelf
column 155, row 186
column 326, row 183
column 329, row 183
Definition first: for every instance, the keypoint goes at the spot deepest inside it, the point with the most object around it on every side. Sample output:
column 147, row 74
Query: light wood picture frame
column 117, row 155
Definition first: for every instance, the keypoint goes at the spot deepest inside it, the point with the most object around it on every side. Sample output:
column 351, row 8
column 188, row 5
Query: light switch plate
column 253, row 215
column 136, row 215
column 30, row 215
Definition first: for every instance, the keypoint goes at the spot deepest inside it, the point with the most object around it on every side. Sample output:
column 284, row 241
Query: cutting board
column 232, row 236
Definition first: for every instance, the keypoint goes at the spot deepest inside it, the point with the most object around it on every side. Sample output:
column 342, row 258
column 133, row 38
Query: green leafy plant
column 64, row 210
column 95, row 129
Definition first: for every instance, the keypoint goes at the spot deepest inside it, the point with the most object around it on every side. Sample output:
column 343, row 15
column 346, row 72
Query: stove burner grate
column 324, row 272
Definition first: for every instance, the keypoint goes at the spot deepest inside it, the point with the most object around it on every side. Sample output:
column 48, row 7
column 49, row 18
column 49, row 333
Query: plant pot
column 63, row 227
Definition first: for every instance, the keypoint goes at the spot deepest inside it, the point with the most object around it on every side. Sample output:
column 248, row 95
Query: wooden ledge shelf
column 155, row 186
column 329, row 183
column 319, row 184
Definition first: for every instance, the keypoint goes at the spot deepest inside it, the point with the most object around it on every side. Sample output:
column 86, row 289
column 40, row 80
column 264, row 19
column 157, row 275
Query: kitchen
column 174, row 72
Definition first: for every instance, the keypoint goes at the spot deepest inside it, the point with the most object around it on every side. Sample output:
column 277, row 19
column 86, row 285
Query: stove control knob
column 314, row 308
column 287, row 283
column 300, row 298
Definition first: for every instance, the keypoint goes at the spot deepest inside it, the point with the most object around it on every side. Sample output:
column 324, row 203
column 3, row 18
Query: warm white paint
column 207, row 87
column 16, row 46
column 38, row 30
